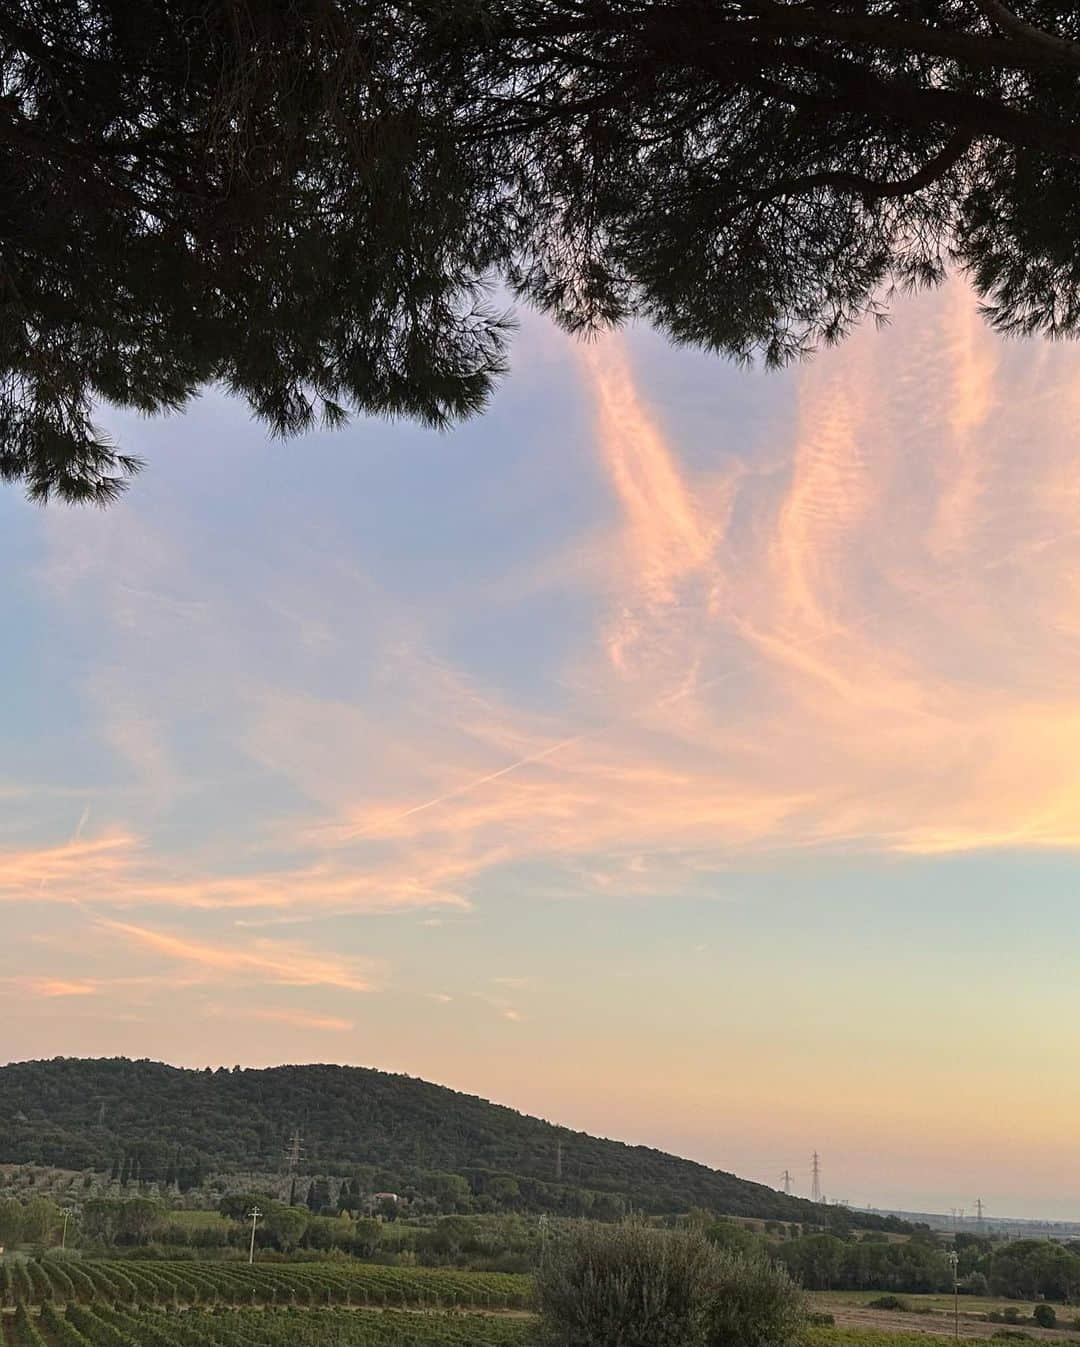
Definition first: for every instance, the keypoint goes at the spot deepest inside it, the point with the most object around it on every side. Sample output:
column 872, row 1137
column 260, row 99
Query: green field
column 869, row 1337
column 133, row 1282
column 971, row 1307
column 102, row 1325
column 90, row 1302
column 105, row 1325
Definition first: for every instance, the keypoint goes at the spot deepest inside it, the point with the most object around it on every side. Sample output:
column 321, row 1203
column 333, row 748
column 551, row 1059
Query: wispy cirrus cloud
column 261, row 960
column 502, row 1007
column 118, row 869
column 855, row 637
column 292, row 1019
column 807, row 657
column 55, row 987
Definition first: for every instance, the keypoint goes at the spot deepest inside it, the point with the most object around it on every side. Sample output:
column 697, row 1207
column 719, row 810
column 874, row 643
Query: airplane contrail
column 478, row 781
column 543, row 753
column 84, row 818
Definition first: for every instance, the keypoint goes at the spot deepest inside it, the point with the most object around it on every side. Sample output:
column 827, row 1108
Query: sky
column 683, row 753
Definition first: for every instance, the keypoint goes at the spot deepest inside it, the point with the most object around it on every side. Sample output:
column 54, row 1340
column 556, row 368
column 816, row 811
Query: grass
column 824, row 1336
column 977, row 1306
column 845, row 1336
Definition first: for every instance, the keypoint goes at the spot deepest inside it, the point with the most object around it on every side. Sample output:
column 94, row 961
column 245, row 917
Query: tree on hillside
column 140, row 1218
column 39, row 1219
column 11, row 1220
column 367, row 1123
column 306, row 204
column 286, row 1226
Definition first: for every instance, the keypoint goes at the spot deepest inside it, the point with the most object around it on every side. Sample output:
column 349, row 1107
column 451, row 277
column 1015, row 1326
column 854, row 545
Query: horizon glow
column 680, row 753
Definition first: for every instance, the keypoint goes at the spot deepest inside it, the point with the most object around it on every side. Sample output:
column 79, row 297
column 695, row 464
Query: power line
column 294, row 1151
column 815, row 1178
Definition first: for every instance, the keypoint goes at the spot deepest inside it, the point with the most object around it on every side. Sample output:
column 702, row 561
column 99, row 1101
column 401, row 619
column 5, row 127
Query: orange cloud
column 803, row 690
column 299, row 1020
column 263, row 960
column 667, row 542
column 51, row 987
column 860, row 639
column 86, row 861
column 117, row 870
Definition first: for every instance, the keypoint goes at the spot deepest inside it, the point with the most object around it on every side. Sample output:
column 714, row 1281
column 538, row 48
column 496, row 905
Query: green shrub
column 1011, row 1314
column 752, row 1302
column 625, row 1286
column 1013, row 1334
column 728, row 1234
column 887, row 1303
column 821, row 1320
column 1045, row 1316
column 634, row 1286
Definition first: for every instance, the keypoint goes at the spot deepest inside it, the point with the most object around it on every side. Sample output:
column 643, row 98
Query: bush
column 819, row 1320
column 632, row 1286
column 727, row 1234
column 752, row 1303
column 1045, row 1316
column 1011, row 1314
column 887, row 1303
column 1013, row 1334
column 625, row 1286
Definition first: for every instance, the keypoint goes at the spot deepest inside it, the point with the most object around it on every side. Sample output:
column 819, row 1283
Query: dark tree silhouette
column 310, row 203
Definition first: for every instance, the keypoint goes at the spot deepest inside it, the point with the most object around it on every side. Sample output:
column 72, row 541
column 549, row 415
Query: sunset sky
column 687, row 754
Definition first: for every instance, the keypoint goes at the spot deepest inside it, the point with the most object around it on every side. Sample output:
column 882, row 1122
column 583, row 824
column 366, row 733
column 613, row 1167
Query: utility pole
column 253, row 1216
column 954, row 1260
column 815, row 1178
column 979, row 1211
column 785, row 1179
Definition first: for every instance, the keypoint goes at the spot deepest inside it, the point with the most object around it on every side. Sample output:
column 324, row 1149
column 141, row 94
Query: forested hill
column 394, row 1131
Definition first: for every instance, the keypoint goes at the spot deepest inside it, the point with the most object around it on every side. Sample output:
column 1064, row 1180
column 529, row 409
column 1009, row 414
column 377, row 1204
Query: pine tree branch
column 770, row 20
column 1056, row 49
column 898, row 101
column 871, row 189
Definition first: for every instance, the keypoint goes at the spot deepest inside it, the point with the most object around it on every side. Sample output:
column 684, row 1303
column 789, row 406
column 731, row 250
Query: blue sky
column 682, row 752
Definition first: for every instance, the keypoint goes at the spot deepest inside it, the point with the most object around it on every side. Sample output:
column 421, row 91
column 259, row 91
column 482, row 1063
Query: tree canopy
column 320, row 205
column 403, row 1132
